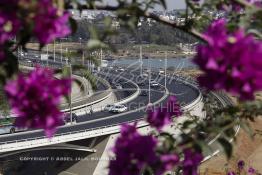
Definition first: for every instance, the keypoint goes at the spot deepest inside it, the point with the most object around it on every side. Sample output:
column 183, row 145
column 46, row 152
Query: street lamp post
column 71, row 120
column 54, row 51
column 47, row 54
column 149, row 82
column 141, row 61
column 101, row 59
column 83, row 58
column 165, row 66
column 66, row 57
column 61, row 47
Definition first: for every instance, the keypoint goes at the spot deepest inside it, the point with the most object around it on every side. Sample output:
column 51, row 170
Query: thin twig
column 243, row 3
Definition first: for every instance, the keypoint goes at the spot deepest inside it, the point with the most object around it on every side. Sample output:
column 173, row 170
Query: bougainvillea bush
column 229, row 54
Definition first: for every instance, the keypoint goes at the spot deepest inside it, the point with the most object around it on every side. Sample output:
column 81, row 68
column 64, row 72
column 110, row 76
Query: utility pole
column 54, row 50
column 47, row 55
column 141, row 61
column 83, row 58
column 149, row 83
column 70, row 100
column 71, row 119
column 165, row 66
column 66, row 57
column 61, row 47
column 101, row 59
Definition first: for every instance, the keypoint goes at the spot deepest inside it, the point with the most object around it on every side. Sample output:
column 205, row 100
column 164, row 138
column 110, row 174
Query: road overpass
column 103, row 122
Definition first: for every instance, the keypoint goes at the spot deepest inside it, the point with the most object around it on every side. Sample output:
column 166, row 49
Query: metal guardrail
column 88, row 101
column 226, row 101
column 131, row 97
column 2, row 144
column 187, row 107
column 79, row 131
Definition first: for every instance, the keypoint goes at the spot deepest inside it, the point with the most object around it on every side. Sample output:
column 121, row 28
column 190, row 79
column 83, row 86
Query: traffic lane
column 140, row 101
column 136, row 115
column 100, row 86
column 184, row 93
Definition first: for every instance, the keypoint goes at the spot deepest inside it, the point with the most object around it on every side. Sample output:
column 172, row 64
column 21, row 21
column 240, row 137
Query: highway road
column 184, row 93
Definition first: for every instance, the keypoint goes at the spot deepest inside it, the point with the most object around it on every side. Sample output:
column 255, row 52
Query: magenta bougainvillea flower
column 47, row 20
column 166, row 163
column 50, row 22
column 191, row 162
column 162, row 116
column 251, row 171
column 132, row 152
column 231, row 173
column 9, row 25
column 35, row 99
column 237, row 7
column 230, row 61
column 240, row 164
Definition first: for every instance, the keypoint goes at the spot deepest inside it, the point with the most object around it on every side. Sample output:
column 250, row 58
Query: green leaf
column 65, row 71
column 95, row 44
column 228, row 149
column 73, row 25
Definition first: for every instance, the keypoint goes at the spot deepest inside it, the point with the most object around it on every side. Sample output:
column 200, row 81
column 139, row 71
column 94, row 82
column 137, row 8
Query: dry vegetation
column 245, row 148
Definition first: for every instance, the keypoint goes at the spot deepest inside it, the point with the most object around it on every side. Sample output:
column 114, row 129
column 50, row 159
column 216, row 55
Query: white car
column 120, row 70
column 145, row 75
column 118, row 86
column 108, row 107
column 28, row 61
column 154, row 84
column 118, row 108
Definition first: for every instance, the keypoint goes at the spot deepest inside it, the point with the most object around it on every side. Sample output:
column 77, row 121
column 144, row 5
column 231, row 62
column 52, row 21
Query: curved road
column 184, row 93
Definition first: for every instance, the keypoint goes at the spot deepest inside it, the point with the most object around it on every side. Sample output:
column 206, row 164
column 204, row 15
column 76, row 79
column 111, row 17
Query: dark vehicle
column 50, row 58
column 141, row 84
column 143, row 93
column 67, row 118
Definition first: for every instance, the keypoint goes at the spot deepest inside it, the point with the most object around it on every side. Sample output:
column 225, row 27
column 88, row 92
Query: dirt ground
column 245, row 148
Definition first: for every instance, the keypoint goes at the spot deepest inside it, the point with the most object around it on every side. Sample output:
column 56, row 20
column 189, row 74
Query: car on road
column 108, row 107
column 119, row 108
column 7, row 125
column 118, row 86
column 154, row 84
column 143, row 93
column 67, row 118
column 28, row 61
column 141, row 84
column 145, row 74
column 161, row 72
column 120, row 70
